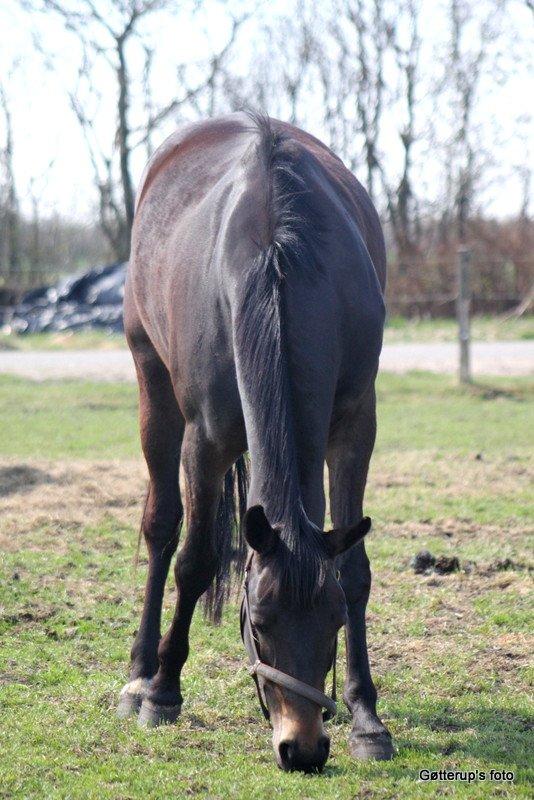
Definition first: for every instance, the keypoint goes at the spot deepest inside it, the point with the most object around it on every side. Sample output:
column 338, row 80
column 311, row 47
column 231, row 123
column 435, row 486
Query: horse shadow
column 496, row 733
column 494, row 736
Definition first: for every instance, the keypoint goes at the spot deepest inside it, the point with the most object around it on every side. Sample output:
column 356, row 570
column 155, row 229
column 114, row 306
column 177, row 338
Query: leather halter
column 258, row 669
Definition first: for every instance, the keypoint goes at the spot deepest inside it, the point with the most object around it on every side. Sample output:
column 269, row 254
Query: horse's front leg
column 195, row 569
column 349, row 453
column 369, row 737
column 162, row 428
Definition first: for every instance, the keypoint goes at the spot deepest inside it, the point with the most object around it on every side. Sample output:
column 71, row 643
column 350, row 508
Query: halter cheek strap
column 258, row 669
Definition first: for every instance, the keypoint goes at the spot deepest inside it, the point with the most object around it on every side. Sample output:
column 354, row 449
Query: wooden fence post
column 463, row 304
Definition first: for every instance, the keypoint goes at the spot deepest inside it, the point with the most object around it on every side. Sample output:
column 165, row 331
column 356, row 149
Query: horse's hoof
column 151, row 715
column 132, row 696
column 367, row 746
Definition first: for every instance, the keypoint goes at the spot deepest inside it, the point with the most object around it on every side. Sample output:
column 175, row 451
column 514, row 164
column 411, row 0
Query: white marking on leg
column 137, row 688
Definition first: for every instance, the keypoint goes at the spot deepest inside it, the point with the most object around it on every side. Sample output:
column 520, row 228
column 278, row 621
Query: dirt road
column 488, row 358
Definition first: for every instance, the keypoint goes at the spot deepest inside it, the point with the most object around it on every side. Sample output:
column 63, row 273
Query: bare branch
column 190, row 95
column 102, row 39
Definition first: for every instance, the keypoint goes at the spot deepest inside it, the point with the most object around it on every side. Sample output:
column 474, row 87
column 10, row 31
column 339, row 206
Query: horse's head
column 296, row 637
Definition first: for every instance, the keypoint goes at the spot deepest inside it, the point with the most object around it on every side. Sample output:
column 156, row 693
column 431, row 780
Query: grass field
column 452, row 472
column 398, row 329
column 483, row 329
column 67, row 340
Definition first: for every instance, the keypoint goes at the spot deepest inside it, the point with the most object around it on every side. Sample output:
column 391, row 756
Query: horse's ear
column 258, row 532
column 339, row 540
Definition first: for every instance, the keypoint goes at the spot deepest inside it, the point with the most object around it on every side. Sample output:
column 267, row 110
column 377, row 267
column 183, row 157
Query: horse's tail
column 229, row 541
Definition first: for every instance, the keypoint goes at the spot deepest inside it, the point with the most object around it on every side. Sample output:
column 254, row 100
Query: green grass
column 452, row 472
column 483, row 328
column 63, row 340
column 398, row 329
column 56, row 419
column 68, row 419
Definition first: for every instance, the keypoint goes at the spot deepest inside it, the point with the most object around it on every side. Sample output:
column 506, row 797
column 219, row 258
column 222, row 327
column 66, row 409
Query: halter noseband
column 258, row 669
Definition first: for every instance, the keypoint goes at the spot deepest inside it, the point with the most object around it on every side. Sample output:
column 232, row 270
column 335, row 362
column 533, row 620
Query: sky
column 51, row 157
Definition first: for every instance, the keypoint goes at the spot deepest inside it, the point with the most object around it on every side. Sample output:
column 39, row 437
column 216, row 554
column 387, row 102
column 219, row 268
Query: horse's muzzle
column 292, row 757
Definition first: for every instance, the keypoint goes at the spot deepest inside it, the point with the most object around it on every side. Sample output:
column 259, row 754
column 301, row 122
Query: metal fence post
column 463, row 304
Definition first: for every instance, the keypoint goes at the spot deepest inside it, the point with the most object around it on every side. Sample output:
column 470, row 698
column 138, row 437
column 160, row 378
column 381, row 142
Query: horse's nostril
column 288, row 754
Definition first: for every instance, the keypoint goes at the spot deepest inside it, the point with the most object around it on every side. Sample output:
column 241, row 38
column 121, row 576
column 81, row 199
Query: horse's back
column 201, row 219
column 181, row 201
column 187, row 184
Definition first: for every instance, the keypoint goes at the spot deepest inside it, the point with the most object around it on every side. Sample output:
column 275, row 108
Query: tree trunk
column 124, row 147
column 12, row 237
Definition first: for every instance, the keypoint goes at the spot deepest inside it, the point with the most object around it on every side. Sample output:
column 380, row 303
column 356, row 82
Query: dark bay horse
column 254, row 312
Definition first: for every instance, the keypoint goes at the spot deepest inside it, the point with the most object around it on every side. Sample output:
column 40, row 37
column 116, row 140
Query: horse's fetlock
column 357, row 695
column 143, row 660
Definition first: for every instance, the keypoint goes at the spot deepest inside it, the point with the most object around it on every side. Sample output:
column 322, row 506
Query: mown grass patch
column 420, row 411
column 58, row 419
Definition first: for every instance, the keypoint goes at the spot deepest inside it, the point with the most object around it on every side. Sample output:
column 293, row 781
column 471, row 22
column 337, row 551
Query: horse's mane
column 291, row 244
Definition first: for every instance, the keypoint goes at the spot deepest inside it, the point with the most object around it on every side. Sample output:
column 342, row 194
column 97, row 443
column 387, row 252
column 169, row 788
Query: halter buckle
column 253, row 668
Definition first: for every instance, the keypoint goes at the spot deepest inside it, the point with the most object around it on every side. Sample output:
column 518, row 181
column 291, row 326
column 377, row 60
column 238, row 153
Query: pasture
column 398, row 330
column 452, row 472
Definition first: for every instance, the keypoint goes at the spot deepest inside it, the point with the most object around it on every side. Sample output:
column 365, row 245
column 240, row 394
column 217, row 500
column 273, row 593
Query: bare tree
column 295, row 62
column 9, row 203
column 278, row 77
column 363, row 36
column 401, row 203
column 371, row 39
column 105, row 34
column 471, row 37
column 32, row 244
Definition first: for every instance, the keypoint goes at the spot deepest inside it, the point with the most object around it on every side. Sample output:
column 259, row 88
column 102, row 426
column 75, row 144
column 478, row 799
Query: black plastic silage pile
column 92, row 299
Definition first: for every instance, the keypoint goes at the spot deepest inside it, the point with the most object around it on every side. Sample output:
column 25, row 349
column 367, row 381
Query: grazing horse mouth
column 291, row 759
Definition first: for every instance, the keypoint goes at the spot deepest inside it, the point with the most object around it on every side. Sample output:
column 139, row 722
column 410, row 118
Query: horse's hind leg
column 195, row 569
column 350, row 447
column 162, row 429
